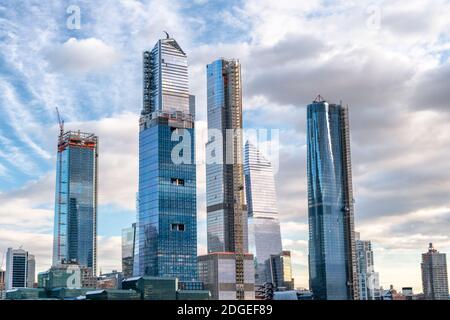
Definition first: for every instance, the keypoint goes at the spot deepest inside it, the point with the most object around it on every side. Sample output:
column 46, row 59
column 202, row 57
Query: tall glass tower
column 227, row 271
column 332, row 257
column 263, row 225
column 167, row 221
column 75, row 225
column 226, row 219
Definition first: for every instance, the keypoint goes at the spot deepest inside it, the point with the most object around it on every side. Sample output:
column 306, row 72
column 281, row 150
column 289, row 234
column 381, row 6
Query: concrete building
column 434, row 275
column 368, row 279
column 2, row 284
column 157, row 288
column 20, row 269
column 217, row 271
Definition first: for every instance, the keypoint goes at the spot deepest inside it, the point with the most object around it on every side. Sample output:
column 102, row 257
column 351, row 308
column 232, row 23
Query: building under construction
column 75, row 224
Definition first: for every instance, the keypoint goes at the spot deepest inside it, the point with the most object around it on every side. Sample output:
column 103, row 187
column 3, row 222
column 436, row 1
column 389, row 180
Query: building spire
column 319, row 98
column 167, row 35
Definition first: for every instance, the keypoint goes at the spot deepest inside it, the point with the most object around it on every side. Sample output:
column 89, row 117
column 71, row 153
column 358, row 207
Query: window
column 177, row 181
column 177, row 227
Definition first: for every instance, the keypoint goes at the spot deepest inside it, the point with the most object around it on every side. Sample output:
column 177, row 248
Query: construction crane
column 61, row 123
column 3, row 259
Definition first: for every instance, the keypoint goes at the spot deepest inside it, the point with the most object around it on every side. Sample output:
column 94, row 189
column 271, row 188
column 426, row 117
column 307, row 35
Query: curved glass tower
column 332, row 258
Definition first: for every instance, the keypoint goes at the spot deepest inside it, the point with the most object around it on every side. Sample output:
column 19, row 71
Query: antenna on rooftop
column 3, row 259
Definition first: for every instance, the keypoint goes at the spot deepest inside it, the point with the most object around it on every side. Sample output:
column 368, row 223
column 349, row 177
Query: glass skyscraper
column 263, row 225
column 167, row 219
column 75, row 224
column 225, row 203
column 332, row 257
column 128, row 241
column 280, row 270
column 226, row 218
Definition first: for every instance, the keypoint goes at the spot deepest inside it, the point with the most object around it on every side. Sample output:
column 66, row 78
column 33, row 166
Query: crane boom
column 60, row 122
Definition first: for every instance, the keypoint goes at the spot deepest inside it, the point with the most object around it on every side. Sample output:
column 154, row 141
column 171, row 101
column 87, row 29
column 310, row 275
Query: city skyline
column 380, row 108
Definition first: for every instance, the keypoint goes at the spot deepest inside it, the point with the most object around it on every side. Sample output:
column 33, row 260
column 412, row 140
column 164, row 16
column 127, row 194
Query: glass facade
column 19, row 266
column 226, row 212
column 75, row 224
column 225, row 203
column 332, row 259
column 263, row 225
column 128, row 241
column 280, row 271
column 167, row 221
column 166, row 86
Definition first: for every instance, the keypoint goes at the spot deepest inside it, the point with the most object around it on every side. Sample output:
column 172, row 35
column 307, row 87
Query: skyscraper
column 368, row 279
column 75, row 224
column 167, row 221
column 332, row 256
column 31, row 271
column 19, row 265
column 280, row 270
column 263, row 225
column 434, row 275
column 2, row 284
column 128, row 241
column 226, row 209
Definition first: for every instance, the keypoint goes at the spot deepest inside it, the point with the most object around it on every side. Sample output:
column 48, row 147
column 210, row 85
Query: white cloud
column 118, row 157
column 84, row 55
column 109, row 254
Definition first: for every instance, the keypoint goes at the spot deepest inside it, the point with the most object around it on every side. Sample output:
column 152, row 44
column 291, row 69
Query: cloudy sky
column 387, row 61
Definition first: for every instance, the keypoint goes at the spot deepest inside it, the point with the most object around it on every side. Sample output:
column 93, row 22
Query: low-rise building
column 113, row 294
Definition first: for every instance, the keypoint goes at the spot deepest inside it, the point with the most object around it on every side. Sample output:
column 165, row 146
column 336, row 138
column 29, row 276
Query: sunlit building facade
column 368, row 279
column 263, row 225
column 225, row 198
column 279, row 268
column 75, row 224
column 226, row 210
column 218, row 273
column 434, row 274
column 167, row 219
column 20, row 269
column 332, row 256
